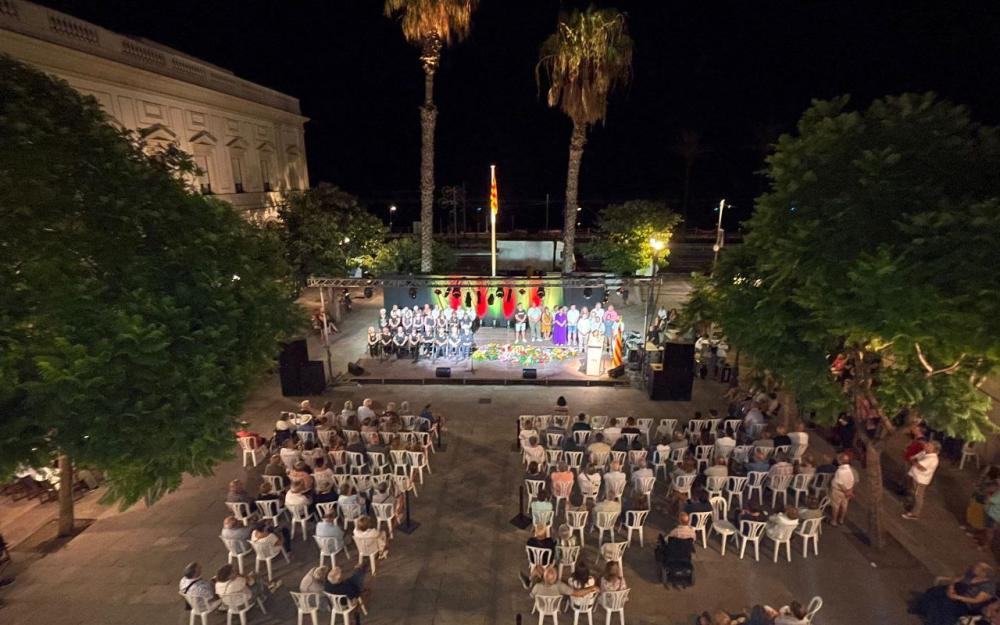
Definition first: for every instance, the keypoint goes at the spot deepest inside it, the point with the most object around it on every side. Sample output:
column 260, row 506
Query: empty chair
column 380, row 464
column 342, row 605
column 356, row 461
column 266, row 553
column 300, row 518
column 367, row 548
column 238, row 604
column 599, row 459
column 566, row 557
column 426, row 441
column 630, row 438
column 645, row 424
column 677, row 455
column 635, row 521
column 750, row 532
column 237, row 548
column 699, row 521
column 329, row 547
column 614, row 551
column 400, row 461
column 306, row 436
column 712, row 426
column 324, row 508
column 251, row 450
column 667, row 427
column 526, row 421
column 580, row 437
column 385, row 514
column 755, row 482
column 200, row 606
column 577, row 521
column 362, row 482
column 542, row 421
column 778, row 484
column 703, row 456
column 732, row 426
column 547, row 605
column 404, row 484
column 614, row 602
column 720, row 522
column 240, row 510
column 589, row 490
column 306, row 604
column 560, row 420
column 619, row 456
column 821, row 484
column 661, row 462
column 782, row 450
column 418, row 462
column 538, row 556
column 734, row 488
column 809, row 530
column 715, row 484
column 599, row 422
column 605, row 522
column 968, row 451
column 407, row 420
column 782, row 535
column 543, row 517
column 800, row 485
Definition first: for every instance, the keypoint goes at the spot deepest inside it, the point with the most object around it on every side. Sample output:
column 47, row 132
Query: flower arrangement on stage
column 522, row 354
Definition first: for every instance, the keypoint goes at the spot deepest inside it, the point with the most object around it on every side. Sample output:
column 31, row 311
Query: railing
column 42, row 23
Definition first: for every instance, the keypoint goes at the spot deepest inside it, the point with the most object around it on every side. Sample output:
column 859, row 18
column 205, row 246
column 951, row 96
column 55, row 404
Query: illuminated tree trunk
column 576, row 142
column 430, row 57
column 865, row 405
column 66, row 516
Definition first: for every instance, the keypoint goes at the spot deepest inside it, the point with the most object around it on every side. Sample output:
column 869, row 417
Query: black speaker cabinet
column 675, row 380
column 291, row 381
column 442, row 372
column 294, row 354
column 529, row 374
column 312, row 378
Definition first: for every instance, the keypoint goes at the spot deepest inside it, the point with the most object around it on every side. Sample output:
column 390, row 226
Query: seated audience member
column 263, row 533
column 276, row 467
column 302, row 473
column 566, row 537
column 366, row 527
column 353, row 587
column 724, row 445
column 806, row 465
column 232, row 529
column 347, row 414
column 245, row 432
column 323, row 480
column 328, row 527
column 549, row 585
column 562, row 474
column 799, row 439
column 679, row 441
column 540, row 506
column 612, row 580
column 781, row 467
column 540, row 538
column 792, row 614
column 581, row 423
column 349, row 496
column 683, row 529
column 758, row 463
column 236, row 589
column 598, row 448
column 526, row 434
column 589, row 481
column 614, row 480
column 194, row 585
column 238, row 494
column 640, row 471
column 776, row 523
column 561, row 406
column 698, row 501
column 365, row 412
column 631, row 427
column 781, row 437
column 297, row 494
column 384, row 494
column 581, row 579
column 719, row 469
column 753, row 512
column 312, row 582
column 535, row 472
column 289, row 454
column 282, row 432
column 967, row 594
column 612, row 432
column 663, row 448
column 267, row 493
column 533, row 452
column 310, row 452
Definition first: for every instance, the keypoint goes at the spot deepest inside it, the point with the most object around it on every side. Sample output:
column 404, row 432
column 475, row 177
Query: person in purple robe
column 559, row 330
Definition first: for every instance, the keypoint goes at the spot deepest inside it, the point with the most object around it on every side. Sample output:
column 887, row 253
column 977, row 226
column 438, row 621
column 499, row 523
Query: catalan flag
column 494, row 198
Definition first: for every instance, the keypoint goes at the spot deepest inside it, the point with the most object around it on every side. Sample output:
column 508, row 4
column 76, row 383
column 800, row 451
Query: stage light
column 369, row 292
column 521, row 291
column 437, row 291
column 456, row 292
column 587, row 292
column 541, row 291
column 468, row 299
column 499, row 292
column 413, row 292
column 490, row 300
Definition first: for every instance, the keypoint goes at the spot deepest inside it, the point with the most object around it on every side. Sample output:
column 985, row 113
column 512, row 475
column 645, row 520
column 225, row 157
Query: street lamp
column 392, row 209
column 720, row 237
column 657, row 246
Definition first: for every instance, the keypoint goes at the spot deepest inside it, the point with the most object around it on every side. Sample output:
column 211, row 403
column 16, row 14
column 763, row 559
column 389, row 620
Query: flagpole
column 493, row 229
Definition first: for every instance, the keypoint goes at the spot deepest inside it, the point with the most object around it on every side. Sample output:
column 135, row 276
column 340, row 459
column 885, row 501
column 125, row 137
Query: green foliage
column 402, row 255
column 443, row 20
column 135, row 315
column 584, row 60
column 624, row 232
column 328, row 232
column 877, row 240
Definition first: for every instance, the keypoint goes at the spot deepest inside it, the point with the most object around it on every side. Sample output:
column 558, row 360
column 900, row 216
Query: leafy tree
column 624, row 232
column 431, row 25
column 402, row 255
column 867, row 282
column 135, row 314
column 589, row 55
column 328, row 232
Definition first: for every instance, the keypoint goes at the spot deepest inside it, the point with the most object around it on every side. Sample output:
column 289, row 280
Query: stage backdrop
column 513, row 292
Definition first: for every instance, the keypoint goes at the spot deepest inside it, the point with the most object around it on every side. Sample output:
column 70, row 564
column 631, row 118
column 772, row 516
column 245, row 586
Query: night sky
column 736, row 73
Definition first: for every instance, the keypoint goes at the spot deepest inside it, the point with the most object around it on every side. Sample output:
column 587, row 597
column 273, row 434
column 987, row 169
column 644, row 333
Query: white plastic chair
column 755, row 482
column 543, row 517
column 814, row 605
column 418, row 461
column 237, row 605
column 783, row 449
column 635, row 521
column 750, row 532
column 734, row 488
column 630, row 438
column 277, row 483
column 614, row 489
column 400, row 461
column 809, row 530
column 547, row 605
column 553, row 440
column 741, row 453
column 561, row 492
column 703, row 456
column 715, row 484
column 577, row 521
column 349, row 514
column 270, row 510
column 778, row 484
column 566, row 556
column 677, row 455
column 614, row 551
column 305, row 437
column 720, row 523
column 599, row 459
column 356, row 461
column 645, row 424
column 574, row 459
column 266, row 553
column 661, row 462
column 404, row 484
column 300, row 518
column 380, row 463
column 644, row 486
column 821, row 484
column 605, row 522
column 538, row 556
column 329, row 547
column 683, row 483
column 619, row 456
column 583, row 605
column 342, row 605
column 712, row 425
column 385, row 514
column 732, row 426
column 800, row 485
column 237, row 548
column 968, row 451
column 589, row 490
column 599, row 422
column 200, row 606
column 580, row 437
column 783, row 536
column 667, row 427
column 252, row 449
column 533, row 487
column 367, row 548
column 306, row 603
column 699, row 521
column 552, row 458
column 635, row 455
column 240, row 510
column 614, row 602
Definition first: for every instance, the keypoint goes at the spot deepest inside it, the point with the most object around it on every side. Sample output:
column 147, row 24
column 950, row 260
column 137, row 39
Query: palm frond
column 446, row 20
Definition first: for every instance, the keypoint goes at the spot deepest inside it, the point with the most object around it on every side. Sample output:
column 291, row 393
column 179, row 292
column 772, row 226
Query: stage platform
column 489, row 372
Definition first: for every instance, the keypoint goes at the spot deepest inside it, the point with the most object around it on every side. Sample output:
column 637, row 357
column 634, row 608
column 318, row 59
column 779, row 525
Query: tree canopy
column 624, row 232
column 135, row 314
column 873, row 251
column 328, row 232
column 402, row 255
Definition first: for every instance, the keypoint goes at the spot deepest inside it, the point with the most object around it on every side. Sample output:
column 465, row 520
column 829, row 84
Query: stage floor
column 468, row 371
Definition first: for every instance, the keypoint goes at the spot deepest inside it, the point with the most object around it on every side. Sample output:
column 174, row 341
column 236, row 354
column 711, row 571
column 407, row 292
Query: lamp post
column 720, row 239
column 657, row 246
column 392, row 209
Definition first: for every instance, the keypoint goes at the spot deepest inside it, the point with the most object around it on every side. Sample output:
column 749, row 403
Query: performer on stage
column 610, row 322
column 427, row 343
column 534, row 322
column 467, row 321
column 441, row 344
column 454, row 343
column 385, row 344
column 546, row 324
column 373, row 348
column 583, row 327
column 572, row 319
column 428, row 324
column 413, row 344
column 520, row 324
column 467, row 342
column 559, row 327
column 382, row 321
column 399, row 342
column 441, row 323
column 407, row 321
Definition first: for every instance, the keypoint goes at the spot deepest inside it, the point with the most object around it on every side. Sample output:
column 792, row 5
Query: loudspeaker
column 294, row 354
column 442, row 372
column 355, row 369
column 727, row 373
column 291, row 381
column 529, row 374
column 676, row 379
column 312, row 378
column 616, row 372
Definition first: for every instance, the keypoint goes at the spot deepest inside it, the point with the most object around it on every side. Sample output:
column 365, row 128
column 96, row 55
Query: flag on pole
column 494, row 198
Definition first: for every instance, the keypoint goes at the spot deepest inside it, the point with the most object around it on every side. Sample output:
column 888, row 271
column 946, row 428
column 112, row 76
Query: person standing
column 583, row 327
column 520, row 322
column 559, row 331
column 572, row 319
column 841, row 489
column 922, row 469
column 535, row 322
column 546, row 324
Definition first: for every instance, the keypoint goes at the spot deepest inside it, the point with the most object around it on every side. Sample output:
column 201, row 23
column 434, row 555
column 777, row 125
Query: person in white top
column 800, row 440
column 365, row 411
column 922, row 469
column 583, row 327
column 572, row 319
column 614, row 482
column 724, row 445
column 841, row 489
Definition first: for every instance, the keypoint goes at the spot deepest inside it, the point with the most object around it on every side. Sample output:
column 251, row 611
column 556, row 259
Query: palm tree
column 690, row 149
column 589, row 55
column 431, row 25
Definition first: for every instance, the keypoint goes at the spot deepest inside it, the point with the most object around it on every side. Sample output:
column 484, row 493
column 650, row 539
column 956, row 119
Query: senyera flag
column 494, row 197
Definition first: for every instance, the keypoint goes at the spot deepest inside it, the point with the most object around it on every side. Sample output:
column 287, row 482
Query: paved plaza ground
column 460, row 566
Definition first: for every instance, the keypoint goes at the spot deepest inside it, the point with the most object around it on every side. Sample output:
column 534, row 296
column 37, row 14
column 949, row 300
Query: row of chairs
column 306, row 604
column 752, row 531
column 612, row 602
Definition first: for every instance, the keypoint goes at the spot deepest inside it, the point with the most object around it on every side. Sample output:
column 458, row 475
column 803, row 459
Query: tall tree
column 624, row 232
column 589, row 55
column 135, row 314
column 402, row 255
column 867, row 280
column 431, row 25
column 690, row 149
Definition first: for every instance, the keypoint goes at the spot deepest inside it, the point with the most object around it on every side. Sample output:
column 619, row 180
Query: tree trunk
column 428, row 117
column 873, row 480
column 576, row 142
column 686, row 197
column 66, row 518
